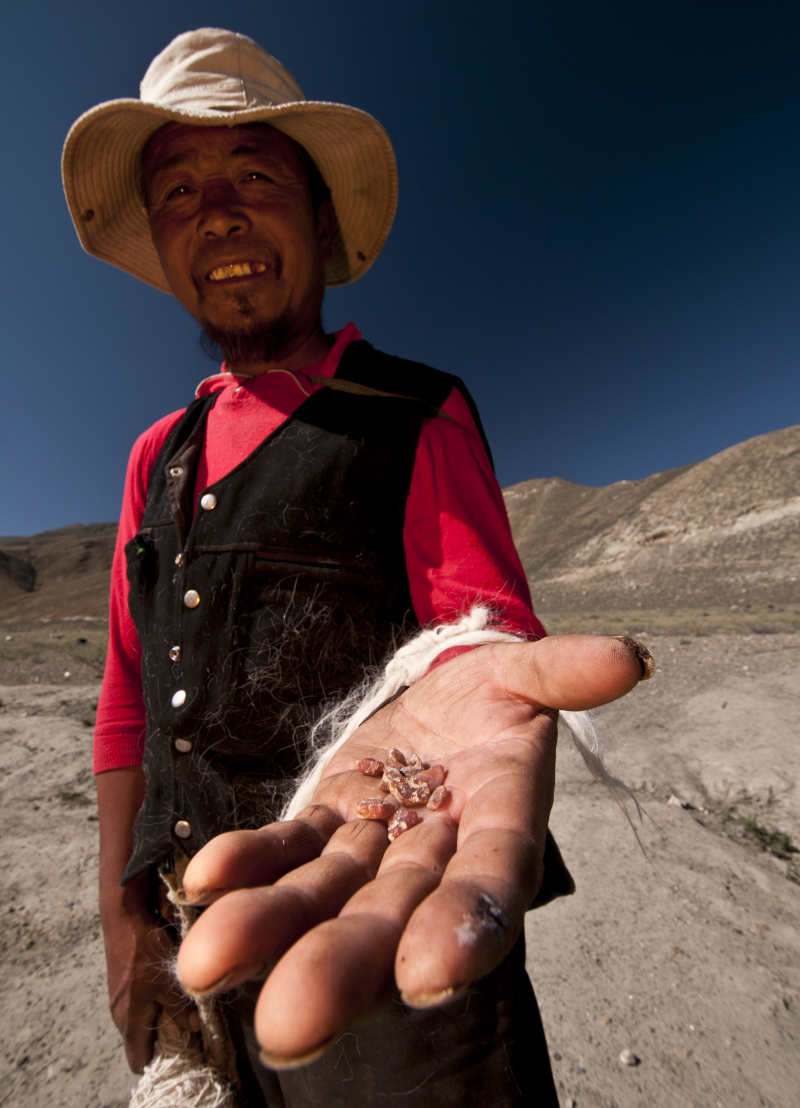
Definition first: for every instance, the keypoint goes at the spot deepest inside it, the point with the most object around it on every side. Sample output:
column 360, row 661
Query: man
column 317, row 502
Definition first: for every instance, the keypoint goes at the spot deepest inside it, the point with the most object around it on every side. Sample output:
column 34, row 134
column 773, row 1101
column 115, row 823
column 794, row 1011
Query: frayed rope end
column 176, row 1080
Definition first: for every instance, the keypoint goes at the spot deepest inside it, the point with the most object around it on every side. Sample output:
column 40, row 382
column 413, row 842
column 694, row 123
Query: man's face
column 232, row 221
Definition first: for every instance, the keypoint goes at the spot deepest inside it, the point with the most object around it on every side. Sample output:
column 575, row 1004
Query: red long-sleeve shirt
column 456, row 535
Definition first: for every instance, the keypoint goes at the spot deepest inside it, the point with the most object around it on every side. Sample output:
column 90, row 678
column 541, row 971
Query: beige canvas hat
column 212, row 77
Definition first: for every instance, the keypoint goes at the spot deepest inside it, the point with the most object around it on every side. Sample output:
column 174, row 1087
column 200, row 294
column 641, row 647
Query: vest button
column 183, row 746
column 179, row 559
column 176, row 471
column 183, row 829
column 208, row 502
column 178, row 698
column 174, row 653
column 191, row 598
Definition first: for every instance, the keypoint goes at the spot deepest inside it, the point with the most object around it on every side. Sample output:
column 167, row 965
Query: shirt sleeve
column 458, row 544
column 120, row 727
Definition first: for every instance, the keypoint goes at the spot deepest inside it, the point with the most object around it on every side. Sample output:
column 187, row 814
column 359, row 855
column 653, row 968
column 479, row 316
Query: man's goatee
column 266, row 342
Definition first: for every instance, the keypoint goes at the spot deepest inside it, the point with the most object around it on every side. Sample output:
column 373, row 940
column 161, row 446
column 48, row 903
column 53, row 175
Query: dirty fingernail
column 277, row 1062
column 198, row 898
column 430, row 1000
column 230, row 980
column 647, row 662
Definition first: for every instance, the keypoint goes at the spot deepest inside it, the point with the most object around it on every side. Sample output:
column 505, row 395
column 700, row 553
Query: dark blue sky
column 598, row 229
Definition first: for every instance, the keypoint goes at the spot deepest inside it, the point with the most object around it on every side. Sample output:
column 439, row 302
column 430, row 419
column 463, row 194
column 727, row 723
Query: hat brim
column 101, row 174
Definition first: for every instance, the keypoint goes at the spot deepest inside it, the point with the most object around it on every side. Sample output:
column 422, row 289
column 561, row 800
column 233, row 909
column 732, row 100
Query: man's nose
column 220, row 213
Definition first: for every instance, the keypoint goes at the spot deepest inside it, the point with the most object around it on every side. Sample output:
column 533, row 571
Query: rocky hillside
column 56, row 575
column 723, row 533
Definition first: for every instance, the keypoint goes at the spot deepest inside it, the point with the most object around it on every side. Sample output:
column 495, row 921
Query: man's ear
column 327, row 227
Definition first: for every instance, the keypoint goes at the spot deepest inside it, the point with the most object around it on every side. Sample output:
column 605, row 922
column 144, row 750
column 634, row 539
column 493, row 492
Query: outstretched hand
column 333, row 914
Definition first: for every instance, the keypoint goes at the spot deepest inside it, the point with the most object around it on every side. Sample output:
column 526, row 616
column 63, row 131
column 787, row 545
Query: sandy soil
column 688, row 955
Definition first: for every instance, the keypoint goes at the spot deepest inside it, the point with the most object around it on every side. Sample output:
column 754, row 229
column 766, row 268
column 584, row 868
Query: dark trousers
column 486, row 1048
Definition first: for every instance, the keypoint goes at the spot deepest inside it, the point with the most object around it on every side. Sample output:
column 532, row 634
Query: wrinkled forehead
column 183, row 140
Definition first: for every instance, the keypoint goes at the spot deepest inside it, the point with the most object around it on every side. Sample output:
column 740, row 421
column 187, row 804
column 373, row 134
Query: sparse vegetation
column 778, row 843
column 73, row 799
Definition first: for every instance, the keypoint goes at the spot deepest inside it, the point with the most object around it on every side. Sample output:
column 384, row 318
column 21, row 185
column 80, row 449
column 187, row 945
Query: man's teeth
column 236, row 269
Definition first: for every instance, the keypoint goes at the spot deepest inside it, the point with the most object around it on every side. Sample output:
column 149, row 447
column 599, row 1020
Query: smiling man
column 241, row 239
column 318, row 502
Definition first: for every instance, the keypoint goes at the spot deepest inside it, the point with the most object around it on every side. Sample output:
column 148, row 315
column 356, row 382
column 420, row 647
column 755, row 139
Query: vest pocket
column 305, row 632
column 273, row 561
column 141, row 558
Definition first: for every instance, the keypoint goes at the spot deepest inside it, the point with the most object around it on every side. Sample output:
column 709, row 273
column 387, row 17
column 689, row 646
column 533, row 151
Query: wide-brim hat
column 212, row 77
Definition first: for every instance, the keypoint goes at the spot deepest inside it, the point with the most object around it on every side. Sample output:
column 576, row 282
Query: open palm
column 334, row 915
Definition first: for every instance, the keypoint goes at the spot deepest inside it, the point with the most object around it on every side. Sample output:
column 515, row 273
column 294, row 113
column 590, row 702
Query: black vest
column 273, row 599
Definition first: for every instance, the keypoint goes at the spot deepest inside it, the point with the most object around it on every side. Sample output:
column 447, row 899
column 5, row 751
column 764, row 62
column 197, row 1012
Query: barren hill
column 721, row 534
column 59, row 574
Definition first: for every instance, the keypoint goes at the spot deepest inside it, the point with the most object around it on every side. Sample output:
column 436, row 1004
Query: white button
column 183, row 829
column 174, row 653
column 179, row 559
column 208, row 501
column 178, row 698
column 175, row 471
column 183, row 745
column 191, row 598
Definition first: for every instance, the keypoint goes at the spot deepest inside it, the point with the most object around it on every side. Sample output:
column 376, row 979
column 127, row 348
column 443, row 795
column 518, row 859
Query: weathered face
column 233, row 223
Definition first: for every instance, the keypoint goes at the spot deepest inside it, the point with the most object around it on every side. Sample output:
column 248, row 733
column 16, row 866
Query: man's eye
column 257, row 175
column 177, row 192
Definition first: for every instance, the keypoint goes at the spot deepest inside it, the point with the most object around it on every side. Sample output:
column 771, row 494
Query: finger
column 139, row 1038
column 344, row 966
column 466, row 926
column 179, row 1008
column 248, row 929
column 138, row 995
column 471, row 921
column 573, row 672
column 186, row 1017
column 244, row 859
column 174, row 1021
column 160, row 988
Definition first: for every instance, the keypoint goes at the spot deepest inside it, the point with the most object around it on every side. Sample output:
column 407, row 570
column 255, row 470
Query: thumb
column 573, row 672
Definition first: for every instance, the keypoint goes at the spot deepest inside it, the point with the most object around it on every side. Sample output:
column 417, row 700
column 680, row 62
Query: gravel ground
column 685, row 955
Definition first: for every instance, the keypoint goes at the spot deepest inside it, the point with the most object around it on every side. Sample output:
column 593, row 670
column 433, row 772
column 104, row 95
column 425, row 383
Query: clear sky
column 598, row 228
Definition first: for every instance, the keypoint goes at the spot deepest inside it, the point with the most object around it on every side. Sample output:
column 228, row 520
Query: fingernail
column 197, row 899
column 430, row 1000
column 647, row 662
column 277, row 1062
column 230, row 980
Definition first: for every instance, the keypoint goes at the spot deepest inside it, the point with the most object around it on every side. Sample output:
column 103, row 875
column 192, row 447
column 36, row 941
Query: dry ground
column 689, row 956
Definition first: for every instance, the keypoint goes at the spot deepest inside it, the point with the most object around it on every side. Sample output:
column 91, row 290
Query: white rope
column 584, row 736
column 177, row 1080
